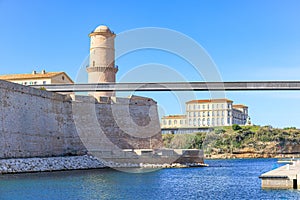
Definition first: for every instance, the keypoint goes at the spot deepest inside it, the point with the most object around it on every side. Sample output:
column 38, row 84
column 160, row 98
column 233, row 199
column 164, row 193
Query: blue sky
column 247, row 40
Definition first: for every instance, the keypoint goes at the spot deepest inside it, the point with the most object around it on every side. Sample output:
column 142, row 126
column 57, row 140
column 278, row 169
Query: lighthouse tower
column 102, row 67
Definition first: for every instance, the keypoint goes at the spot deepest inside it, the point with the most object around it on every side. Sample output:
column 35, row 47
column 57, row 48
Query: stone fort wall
column 37, row 123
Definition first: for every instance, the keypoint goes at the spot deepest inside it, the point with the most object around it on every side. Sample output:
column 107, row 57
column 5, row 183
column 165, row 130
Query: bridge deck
column 176, row 86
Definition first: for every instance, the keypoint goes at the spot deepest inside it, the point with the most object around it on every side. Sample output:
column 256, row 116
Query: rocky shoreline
column 27, row 165
column 31, row 165
column 250, row 155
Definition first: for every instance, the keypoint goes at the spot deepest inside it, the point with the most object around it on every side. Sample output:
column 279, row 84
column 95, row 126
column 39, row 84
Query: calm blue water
column 224, row 179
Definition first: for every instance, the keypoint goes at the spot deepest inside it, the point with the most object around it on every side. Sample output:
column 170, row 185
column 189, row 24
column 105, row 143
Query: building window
column 207, row 106
column 203, row 121
column 222, row 106
column 181, row 121
column 35, row 82
column 218, row 122
column 199, row 122
column 170, row 122
column 175, row 122
column 194, row 122
column 213, row 121
column 208, row 121
column 190, row 122
column 198, row 107
column 222, row 121
column 222, row 113
column 25, row 83
column 194, row 107
column 63, row 78
column 165, row 122
column 217, row 106
column 93, row 63
column 194, row 114
column 228, row 121
column 203, row 107
column 44, row 82
column 208, row 114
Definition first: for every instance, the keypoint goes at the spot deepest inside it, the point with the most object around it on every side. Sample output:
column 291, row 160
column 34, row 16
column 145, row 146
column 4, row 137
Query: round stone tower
column 102, row 67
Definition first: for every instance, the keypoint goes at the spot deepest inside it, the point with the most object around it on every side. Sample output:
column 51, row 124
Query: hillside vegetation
column 239, row 141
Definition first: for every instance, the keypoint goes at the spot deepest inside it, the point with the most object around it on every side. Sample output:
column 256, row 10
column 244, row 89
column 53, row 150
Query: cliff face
column 37, row 123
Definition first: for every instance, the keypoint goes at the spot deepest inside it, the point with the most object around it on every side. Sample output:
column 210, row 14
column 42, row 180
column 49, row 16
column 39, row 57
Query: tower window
column 93, row 63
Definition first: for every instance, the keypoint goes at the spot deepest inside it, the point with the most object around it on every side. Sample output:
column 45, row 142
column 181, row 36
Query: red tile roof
column 209, row 101
column 239, row 106
column 32, row 76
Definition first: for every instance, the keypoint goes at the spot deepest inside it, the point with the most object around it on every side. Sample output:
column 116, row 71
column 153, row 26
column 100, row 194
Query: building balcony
column 102, row 68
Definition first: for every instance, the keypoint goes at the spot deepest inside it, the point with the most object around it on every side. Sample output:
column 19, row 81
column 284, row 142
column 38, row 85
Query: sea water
column 223, row 179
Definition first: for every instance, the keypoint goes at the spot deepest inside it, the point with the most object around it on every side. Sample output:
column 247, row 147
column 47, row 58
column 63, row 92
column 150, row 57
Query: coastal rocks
column 26, row 165
column 23, row 165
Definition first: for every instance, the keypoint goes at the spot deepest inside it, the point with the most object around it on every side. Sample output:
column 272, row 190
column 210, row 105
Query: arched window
column 199, row 122
column 208, row 122
column 175, row 122
column 203, row 122
column 170, row 122
column 194, row 122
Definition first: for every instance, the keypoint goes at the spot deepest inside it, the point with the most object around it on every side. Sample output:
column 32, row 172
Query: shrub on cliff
column 236, row 127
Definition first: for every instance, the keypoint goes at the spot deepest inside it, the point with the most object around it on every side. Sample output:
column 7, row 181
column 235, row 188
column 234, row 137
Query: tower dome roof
column 102, row 28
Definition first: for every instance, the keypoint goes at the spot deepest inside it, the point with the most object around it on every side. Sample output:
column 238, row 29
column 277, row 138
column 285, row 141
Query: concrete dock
column 285, row 177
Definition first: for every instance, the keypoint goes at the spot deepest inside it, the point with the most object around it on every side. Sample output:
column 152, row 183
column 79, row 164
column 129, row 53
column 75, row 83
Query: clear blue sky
column 248, row 40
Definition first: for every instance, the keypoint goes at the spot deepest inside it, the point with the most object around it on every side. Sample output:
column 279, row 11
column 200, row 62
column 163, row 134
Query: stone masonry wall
column 37, row 123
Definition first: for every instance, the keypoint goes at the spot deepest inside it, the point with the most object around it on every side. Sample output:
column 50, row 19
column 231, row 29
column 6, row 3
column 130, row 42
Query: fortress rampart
column 37, row 123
